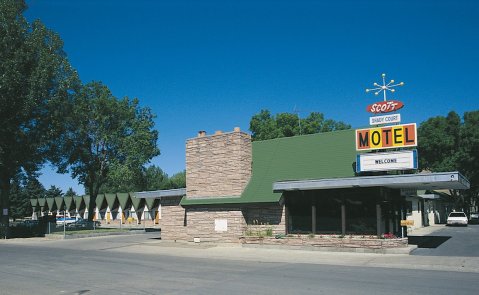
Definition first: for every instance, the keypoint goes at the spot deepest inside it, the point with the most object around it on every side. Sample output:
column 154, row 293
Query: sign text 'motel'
column 386, row 137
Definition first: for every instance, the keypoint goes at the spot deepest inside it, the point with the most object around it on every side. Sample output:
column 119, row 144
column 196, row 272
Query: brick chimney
column 218, row 165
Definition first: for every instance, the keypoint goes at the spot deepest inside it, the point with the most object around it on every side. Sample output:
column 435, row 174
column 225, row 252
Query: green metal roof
column 78, row 202
column 111, row 200
column 60, row 203
column 42, row 202
column 86, row 199
column 34, row 202
column 100, row 201
column 151, row 203
column 123, row 198
column 69, row 204
column 51, row 204
column 315, row 156
column 138, row 203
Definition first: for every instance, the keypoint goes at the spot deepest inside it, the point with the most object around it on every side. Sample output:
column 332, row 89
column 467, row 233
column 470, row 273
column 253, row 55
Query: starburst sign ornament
column 386, row 106
column 385, row 87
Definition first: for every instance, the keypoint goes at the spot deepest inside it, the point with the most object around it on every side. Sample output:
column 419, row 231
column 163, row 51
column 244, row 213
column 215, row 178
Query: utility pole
column 296, row 111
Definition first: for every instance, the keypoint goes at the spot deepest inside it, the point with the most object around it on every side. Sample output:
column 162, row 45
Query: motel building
column 298, row 190
column 351, row 188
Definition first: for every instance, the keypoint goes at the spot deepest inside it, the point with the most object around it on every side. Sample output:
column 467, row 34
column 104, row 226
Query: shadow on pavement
column 427, row 241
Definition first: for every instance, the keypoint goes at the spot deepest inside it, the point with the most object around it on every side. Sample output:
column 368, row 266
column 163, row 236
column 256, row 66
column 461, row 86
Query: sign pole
column 64, row 224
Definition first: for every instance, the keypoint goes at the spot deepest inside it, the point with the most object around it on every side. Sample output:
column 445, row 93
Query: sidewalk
column 148, row 244
column 236, row 252
column 428, row 230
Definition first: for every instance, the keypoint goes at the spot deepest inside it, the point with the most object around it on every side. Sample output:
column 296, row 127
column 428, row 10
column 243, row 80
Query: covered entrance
column 368, row 205
column 359, row 211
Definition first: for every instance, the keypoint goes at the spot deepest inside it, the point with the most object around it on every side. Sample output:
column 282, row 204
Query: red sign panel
column 384, row 107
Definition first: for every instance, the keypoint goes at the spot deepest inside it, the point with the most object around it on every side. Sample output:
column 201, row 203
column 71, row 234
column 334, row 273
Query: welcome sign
column 402, row 160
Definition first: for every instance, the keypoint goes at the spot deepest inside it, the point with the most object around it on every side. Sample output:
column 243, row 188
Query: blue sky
column 211, row 65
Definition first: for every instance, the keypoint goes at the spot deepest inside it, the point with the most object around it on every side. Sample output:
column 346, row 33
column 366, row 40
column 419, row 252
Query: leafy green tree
column 451, row 144
column 178, row 180
column 70, row 193
column 33, row 188
column 265, row 126
column 122, row 178
column 154, row 178
column 53, row 192
column 439, row 142
column 469, row 160
column 103, row 132
column 35, row 77
column 20, row 205
column 149, row 179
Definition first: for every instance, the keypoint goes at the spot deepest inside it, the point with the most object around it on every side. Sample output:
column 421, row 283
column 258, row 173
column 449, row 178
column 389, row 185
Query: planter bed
column 329, row 241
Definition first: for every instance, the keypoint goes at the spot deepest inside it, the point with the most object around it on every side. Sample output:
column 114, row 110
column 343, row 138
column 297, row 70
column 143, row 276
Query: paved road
column 141, row 264
column 463, row 241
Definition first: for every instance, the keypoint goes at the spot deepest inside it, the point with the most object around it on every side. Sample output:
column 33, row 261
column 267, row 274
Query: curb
column 406, row 250
column 91, row 235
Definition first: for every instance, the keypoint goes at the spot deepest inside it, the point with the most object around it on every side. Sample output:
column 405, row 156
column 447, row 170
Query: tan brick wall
column 201, row 224
column 185, row 224
column 262, row 218
column 218, row 165
column 172, row 222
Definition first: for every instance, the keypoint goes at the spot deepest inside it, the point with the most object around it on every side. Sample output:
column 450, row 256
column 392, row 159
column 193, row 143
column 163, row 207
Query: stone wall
column 261, row 219
column 215, row 224
column 172, row 222
column 320, row 241
column 218, row 224
column 218, row 165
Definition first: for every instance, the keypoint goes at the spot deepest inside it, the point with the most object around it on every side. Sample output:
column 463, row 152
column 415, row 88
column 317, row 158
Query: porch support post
column 378, row 219
column 343, row 219
column 286, row 219
column 313, row 213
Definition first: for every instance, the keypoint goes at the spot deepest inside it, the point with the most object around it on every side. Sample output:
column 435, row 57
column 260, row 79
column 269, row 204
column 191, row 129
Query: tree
column 33, row 188
column 53, row 192
column 178, row 180
column 154, row 178
column 70, row 193
column 439, row 143
column 20, row 205
column 35, row 77
column 149, row 179
column 449, row 144
column 103, row 132
column 264, row 126
column 122, row 178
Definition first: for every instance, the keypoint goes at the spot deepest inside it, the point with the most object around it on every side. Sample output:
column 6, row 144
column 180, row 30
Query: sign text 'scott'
column 386, row 137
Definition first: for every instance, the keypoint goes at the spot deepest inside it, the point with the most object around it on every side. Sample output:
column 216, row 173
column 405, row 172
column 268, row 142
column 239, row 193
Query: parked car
column 65, row 220
column 474, row 217
column 457, row 218
column 84, row 224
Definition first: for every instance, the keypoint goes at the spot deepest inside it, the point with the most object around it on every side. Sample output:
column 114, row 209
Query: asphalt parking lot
column 457, row 241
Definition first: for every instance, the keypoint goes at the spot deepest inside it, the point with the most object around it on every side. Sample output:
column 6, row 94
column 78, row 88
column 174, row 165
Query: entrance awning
column 429, row 181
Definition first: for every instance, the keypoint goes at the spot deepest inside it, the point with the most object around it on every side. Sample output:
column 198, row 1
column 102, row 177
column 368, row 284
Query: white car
column 457, row 218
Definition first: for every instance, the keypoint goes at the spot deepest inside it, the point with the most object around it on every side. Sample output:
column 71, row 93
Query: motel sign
column 398, row 136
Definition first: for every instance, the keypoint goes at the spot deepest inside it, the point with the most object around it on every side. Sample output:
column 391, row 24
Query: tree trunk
column 4, row 207
column 92, row 205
